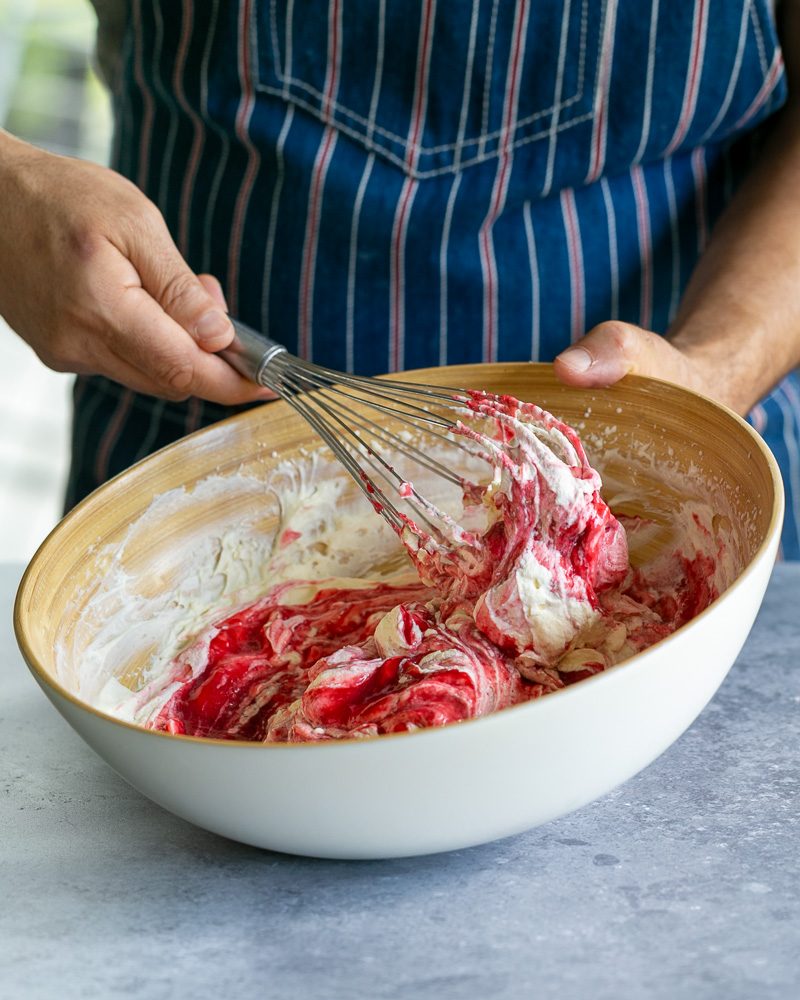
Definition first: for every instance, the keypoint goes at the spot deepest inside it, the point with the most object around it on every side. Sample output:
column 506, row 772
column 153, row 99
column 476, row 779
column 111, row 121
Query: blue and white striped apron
column 388, row 184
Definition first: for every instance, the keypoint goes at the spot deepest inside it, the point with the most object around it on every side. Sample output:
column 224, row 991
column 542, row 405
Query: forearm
column 739, row 320
column 740, row 315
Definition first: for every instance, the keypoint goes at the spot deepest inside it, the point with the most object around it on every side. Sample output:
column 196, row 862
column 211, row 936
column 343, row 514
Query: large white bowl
column 438, row 789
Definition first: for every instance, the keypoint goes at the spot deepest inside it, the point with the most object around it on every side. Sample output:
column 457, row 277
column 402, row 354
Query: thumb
column 195, row 304
column 607, row 353
column 214, row 288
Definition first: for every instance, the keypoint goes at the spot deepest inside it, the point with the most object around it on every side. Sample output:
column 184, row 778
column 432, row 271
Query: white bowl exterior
column 447, row 788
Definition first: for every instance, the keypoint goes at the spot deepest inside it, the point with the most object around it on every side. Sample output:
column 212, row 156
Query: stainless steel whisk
column 346, row 411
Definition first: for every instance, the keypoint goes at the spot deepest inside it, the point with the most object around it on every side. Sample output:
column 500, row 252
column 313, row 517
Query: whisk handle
column 251, row 352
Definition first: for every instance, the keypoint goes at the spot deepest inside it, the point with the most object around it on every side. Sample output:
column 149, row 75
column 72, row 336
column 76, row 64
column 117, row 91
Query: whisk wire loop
column 349, row 412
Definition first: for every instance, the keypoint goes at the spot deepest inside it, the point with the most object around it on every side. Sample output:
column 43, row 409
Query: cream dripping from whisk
column 550, row 545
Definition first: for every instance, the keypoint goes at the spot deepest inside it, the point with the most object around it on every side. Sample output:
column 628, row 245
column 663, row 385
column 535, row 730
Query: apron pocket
column 432, row 87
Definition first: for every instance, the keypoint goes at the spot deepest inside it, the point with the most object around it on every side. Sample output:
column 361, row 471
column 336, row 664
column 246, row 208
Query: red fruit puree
column 540, row 596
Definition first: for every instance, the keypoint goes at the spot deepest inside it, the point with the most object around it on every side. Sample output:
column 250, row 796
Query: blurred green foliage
column 49, row 93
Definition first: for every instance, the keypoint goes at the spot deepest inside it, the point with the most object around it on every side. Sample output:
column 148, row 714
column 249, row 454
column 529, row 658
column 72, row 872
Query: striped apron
column 388, row 184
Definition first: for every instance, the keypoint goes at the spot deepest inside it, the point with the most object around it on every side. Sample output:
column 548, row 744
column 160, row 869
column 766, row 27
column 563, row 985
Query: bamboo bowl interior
column 632, row 432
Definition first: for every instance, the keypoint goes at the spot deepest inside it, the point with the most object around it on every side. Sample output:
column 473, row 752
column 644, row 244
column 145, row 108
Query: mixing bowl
column 193, row 525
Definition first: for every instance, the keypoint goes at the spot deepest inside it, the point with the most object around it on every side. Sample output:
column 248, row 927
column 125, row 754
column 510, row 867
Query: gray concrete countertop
column 683, row 883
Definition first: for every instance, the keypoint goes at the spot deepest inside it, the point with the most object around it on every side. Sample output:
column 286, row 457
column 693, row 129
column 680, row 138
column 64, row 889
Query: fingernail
column 212, row 325
column 576, row 358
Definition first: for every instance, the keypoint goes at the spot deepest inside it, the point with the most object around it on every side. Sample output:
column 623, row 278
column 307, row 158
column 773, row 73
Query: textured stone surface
column 684, row 883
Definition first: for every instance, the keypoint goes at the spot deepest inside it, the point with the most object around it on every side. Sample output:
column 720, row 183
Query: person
column 382, row 185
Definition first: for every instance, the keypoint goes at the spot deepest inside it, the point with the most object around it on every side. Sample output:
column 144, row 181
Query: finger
column 110, row 365
column 122, row 371
column 142, row 334
column 214, row 379
column 166, row 276
column 140, row 381
column 214, row 288
column 164, row 353
column 126, row 374
column 607, row 353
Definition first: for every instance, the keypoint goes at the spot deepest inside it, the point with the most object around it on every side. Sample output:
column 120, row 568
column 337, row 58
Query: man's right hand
column 91, row 279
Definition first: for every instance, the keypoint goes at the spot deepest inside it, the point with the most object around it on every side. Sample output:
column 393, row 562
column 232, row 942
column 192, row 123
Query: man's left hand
column 614, row 349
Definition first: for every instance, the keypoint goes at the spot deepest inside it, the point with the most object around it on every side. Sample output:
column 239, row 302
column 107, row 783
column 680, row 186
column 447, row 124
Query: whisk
column 349, row 412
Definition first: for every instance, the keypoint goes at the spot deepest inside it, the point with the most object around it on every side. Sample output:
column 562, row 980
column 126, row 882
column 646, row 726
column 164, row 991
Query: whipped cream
column 527, row 589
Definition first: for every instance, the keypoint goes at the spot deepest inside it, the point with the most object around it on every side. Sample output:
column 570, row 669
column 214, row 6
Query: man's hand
column 613, row 349
column 91, row 279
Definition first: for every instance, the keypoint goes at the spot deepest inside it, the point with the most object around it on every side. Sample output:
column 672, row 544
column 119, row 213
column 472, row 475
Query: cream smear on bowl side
column 133, row 616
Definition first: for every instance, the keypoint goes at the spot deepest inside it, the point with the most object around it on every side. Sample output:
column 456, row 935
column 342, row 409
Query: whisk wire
column 348, row 412
column 306, row 377
column 421, row 506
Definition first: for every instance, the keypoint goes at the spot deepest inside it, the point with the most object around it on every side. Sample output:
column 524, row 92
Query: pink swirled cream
column 529, row 591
